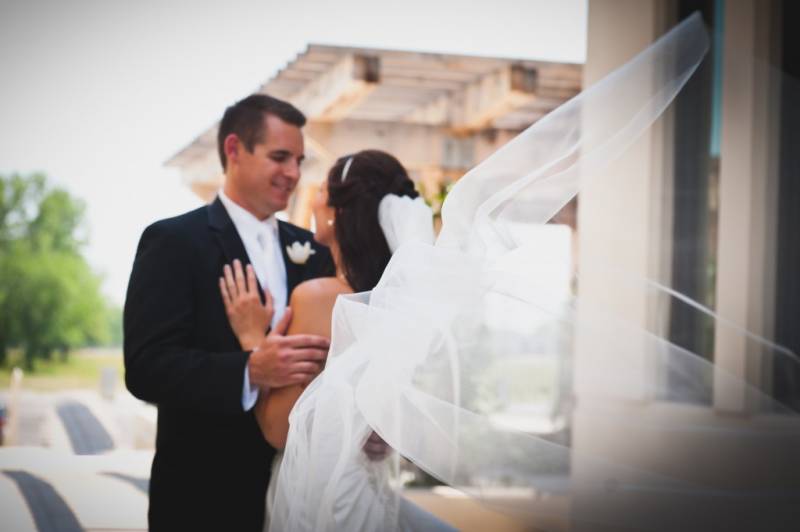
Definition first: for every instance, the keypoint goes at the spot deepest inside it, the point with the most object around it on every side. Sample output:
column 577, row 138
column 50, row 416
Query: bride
column 366, row 208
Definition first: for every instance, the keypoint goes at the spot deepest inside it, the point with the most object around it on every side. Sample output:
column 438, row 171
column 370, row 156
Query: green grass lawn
column 82, row 369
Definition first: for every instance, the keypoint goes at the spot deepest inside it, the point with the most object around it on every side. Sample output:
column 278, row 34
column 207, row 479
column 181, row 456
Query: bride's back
column 312, row 305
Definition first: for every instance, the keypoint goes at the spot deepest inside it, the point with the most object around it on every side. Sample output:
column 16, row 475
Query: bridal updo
column 356, row 185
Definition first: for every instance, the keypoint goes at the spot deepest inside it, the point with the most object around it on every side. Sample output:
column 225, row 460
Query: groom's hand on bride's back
column 280, row 360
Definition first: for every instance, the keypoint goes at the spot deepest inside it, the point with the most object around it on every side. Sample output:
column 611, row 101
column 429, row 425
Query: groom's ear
column 231, row 146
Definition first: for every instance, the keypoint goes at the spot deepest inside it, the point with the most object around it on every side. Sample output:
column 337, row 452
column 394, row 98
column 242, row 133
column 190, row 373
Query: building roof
column 457, row 92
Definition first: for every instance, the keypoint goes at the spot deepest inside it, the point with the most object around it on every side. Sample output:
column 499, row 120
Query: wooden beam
column 414, row 145
column 542, row 103
column 481, row 102
column 440, row 74
column 518, row 120
column 495, row 95
column 331, row 96
column 421, row 82
column 434, row 61
column 558, row 93
column 440, row 62
column 437, row 112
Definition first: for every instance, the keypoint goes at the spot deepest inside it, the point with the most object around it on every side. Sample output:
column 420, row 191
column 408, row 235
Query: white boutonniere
column 299, row 253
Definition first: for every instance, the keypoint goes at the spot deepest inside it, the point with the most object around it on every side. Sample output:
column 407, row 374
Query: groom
column 212, row 465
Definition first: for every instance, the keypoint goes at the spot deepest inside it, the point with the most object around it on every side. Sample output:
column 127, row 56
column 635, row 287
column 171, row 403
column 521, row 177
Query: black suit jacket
column 212, row 465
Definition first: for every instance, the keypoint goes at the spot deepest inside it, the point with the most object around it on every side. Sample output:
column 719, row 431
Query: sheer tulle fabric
column 404, row 220
column 417, row 358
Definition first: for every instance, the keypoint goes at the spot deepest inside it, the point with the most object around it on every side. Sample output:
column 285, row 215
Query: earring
column 330, row 222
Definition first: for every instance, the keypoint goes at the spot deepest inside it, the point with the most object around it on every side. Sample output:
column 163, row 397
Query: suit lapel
column 222, row 226
column 294, row 272
column 232, row 246
column 228, row 238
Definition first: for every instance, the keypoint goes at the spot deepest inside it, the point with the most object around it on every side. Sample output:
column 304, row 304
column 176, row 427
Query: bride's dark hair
column 371, row 175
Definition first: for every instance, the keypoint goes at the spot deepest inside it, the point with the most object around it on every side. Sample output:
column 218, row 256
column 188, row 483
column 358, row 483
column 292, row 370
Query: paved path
column 48, row 490
column 140, row 483
column 11, row 504
column 85, row 432
column 77, row 462
column 48, row 509
column 30, row 425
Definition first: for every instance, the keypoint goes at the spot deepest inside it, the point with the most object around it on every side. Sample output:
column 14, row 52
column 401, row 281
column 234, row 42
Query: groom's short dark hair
column 245, row 118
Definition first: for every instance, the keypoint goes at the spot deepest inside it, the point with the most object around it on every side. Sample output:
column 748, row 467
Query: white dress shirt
column 261, row 242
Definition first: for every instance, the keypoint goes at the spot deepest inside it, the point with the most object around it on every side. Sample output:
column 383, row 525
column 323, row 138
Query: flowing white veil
column 416, row 360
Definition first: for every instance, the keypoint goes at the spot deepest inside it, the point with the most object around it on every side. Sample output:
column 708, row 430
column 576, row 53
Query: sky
column 98, row 94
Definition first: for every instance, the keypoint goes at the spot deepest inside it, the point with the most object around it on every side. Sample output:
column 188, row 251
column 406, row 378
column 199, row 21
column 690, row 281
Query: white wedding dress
column 366, row 496
column 366, row 481
column 415, row 359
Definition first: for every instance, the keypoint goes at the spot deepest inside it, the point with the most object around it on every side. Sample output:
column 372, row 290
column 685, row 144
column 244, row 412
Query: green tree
column 50, row 298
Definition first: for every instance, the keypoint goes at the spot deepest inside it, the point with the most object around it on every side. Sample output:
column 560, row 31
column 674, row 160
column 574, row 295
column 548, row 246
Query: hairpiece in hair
column 346, row 168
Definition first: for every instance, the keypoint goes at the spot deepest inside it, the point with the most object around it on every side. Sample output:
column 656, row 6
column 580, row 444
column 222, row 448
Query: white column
column 747, row 200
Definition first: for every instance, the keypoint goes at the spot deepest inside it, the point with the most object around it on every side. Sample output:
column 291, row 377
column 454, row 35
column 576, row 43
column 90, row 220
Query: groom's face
column 265, row 178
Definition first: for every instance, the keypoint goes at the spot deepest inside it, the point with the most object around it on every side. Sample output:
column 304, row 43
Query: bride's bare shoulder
column 320, row 288
column 312, row 302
